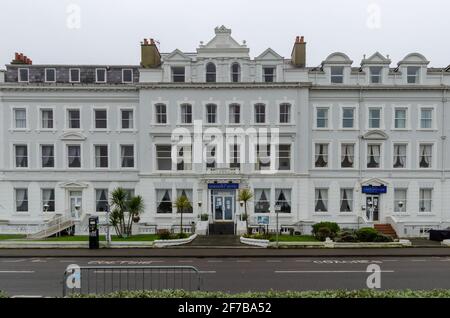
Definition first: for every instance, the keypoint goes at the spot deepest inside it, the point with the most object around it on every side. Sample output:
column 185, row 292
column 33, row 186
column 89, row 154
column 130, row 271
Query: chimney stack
column 298, row 56
column 19, row 58
column 150, row 56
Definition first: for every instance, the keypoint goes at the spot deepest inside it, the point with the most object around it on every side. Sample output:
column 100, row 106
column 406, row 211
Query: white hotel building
column 358, row 145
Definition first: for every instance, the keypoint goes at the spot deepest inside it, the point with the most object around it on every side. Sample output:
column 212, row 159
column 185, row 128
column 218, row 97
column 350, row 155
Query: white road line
column 389, row 260
column 214, row 261
column 418, row 260
column 67, row 261
column 27, row 296
column 324, row 272
column 14, row 261
column 17, row 272
column 303, row 261
column 187, row 261
column 38, row 261
column 273, row 261
column 150, row 272
column 242, row 261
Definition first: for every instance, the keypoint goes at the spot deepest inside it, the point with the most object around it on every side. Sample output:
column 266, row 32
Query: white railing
column 55, row 225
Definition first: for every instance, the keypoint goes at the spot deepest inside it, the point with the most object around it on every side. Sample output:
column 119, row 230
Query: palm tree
column 245, row 195
column 123, row 206
column 182, row 204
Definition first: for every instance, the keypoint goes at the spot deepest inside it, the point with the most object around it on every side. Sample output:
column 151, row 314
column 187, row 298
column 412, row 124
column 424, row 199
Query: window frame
column 229, row 114
column 407, row 154
column 123, row 76
column 163, row 158
column 433, row 163
column 41, row 155
column 209, row 73
column 46, row 77
column 66, row 147
column 108, row 155
column 94, row 118
column 42, row 200
column 173, row 76
column 68, row 120
column 328, row 143
column 352, row 205
column 238, row 73
column 277, row 156
column 70, row 75
column 379, row 76
column 15, row 200
column 433, row 117
column 381, row 163
column 417, row 79
column 180, row 110
column 216, row 114
column 327, row 201
column 266, row 76
column 19, row 76
column 14, row 152
column 396, row 200
column 355, row 154
column 381, row 118
column 256, row 114
column 124, row 144
column 329, row 115
column 340, row 76
column 421, row 189
column 41, row 118
column 14, row 119
column 106, row 75
column 407, row 117
column 128, row 109
column 355, row 117
column 289, row 113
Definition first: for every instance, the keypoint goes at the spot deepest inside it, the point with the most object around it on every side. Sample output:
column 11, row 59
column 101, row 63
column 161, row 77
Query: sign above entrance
column 223, row 186
column 369, row 189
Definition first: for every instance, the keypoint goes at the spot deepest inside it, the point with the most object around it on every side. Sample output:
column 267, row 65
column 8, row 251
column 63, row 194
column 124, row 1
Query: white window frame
column 408, row 154
column 330, row 158
column 66, row 155
column 19, row 77
column 156, row 157
column 13, row 155
column 352, row 205
column 433, row 117
column 119, row 152
column 123, row 77
column 366, row 154
column 13, row 118
column 119, row 116
column 355, row 116
column 15, row 200
column 42, row 199
column 355, row 154
column 329, row 118
column 380, row 75
column 93, row 118
column 291, row 115
column 434, row 160
column 67, row 118
column 274, row 76
column 180, row 103
column 205, row 112
column 405, row 204
column 40, row 119
column 331, row 75
column 233, row 73
column 106, row 74
column 291, row 158
column 55, row 163
column 381, row 108
column 419, row 213
column 418, row 75
column 70, row 75
column 407, row 119
column 45, row 72
column 172, row 67
column 94, row 156
column 228, row 112
column 327, row 200
column 266, row 112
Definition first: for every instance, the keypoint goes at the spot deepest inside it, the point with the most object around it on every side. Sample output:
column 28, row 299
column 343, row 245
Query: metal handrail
column 126, row 270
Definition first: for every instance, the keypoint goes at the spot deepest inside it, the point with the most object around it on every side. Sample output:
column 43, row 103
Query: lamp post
column 277, row 210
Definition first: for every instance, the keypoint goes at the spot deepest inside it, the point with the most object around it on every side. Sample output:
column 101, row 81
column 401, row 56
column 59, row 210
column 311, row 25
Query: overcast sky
column 109, row 31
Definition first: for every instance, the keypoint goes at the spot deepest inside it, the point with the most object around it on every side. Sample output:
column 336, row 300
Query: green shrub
column 204, row 217
column 332, row 226
column 383, row 238
column 348, row 238
column 3, row 294
column 262, row 236
column 181, row 235
column 323, row 233
column 366, row 234
column 164, row 235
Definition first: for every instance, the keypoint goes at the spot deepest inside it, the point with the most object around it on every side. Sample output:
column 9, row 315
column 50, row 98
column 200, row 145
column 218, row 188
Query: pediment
column 414, row 58
column 374, row 182
column 73, row 136
column 376, row 58
column 222, row 39
column 177, row 56
column 74, row 185
column 338, row 58
column 269, row 55
column 376, row 135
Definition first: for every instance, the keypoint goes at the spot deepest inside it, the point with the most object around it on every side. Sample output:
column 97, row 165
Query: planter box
column 166, row 243
column 255, row 242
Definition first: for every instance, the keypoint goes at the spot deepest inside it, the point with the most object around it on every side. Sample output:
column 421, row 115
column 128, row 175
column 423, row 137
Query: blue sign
column 223, row 186
column 369, row 189
column 262, row 220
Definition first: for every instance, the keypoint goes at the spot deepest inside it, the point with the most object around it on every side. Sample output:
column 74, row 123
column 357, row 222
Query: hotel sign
column 223, row 186
column 369, row 189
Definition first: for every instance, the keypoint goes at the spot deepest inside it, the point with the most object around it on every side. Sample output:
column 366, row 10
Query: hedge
column 365, row 293
column 3, row 294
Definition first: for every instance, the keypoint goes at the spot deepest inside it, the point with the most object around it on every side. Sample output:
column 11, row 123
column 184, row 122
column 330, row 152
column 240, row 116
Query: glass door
column 372, row 207
column 218, row 208
column 76, row 198
column 229, row 204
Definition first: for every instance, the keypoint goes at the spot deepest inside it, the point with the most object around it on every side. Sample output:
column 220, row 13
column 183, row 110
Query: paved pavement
column 42, row 276
column 225, row 252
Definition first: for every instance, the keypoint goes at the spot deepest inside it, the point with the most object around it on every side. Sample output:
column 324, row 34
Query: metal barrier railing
column 107, row 279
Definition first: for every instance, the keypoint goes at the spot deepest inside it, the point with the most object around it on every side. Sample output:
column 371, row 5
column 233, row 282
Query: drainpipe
column 360, row 123
column 443, row 149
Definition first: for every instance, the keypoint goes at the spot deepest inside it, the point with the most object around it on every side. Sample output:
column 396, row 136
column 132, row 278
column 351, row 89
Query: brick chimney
column 19, row 58
column 298, row 56
column 150, row 56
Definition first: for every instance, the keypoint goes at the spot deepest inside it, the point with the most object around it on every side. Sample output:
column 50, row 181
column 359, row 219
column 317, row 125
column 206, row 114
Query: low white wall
column 165, row 243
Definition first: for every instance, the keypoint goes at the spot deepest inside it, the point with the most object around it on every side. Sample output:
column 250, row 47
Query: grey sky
column 111, row 30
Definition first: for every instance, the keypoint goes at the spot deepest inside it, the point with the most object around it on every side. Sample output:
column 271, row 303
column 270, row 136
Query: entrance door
column 372, row 207
column 76, row 198
column 223, row 207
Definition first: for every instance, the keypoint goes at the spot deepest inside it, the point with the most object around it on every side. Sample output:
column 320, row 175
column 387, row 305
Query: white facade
column 340, row 128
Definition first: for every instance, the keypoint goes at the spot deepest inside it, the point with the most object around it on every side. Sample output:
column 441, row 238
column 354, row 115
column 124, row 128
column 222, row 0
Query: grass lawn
column 85, row 238
column 4, row 237
column 294, row 238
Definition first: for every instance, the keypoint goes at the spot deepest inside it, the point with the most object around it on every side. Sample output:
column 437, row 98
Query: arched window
column 210, row 73
column 235, row 73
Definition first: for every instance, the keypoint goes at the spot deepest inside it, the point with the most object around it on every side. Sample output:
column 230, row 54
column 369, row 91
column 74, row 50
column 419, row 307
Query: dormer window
column 178, row 74
column 100, row 75
column 337, row 74
column 50, row 75
column 375, row 74
column 23, row 75
column 127, row 76
column 235, row 73
column 74, row 75
column 210, row 73
column 413, row 74
column 269, row 74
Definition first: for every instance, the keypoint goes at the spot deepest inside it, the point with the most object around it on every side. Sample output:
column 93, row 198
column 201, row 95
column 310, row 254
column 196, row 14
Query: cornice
column 252, row 85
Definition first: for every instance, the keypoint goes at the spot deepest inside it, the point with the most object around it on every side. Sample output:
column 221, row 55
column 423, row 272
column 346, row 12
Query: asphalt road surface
column 44, row 276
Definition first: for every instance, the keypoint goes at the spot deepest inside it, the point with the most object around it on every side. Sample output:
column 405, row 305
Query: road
column 43, row 276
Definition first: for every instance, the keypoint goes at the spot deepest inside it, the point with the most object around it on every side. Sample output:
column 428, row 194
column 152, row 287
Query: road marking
column 303, row 261
column 27, row 296
column 68, row 261
column 362, row 261
column 185, row 261
column 242, row 261
column 324, row 272
column 273, row 261
column 214, row 261
column 418, row 260
column 17, row 272
column 151, row 272
column 390, row 260
column 15, row 261
column 445, row 260
column 38, row 261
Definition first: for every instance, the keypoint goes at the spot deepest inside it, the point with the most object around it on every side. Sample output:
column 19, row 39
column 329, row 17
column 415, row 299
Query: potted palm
column 245, row 195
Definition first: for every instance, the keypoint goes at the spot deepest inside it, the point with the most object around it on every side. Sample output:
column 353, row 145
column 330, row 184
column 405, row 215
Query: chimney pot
column 297, row 39
column 145, row 41
column 302, row 39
